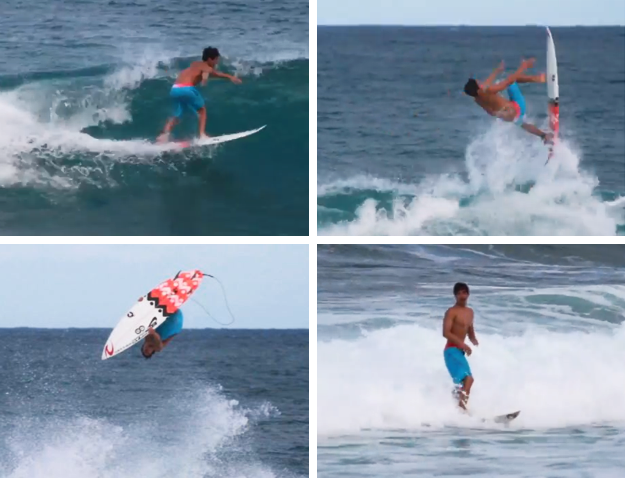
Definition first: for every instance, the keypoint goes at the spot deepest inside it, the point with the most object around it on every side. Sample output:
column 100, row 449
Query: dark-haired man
column 186, row 96
column 457, row 324
column 157, row 339
column 487, row 96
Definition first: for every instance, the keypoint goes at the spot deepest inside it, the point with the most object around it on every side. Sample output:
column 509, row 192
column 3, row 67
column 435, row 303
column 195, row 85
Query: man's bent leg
column 531, row 78
column 164, row 136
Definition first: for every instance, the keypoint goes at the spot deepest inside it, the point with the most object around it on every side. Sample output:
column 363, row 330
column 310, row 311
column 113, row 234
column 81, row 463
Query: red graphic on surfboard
column 109, row 352
column 171, row 294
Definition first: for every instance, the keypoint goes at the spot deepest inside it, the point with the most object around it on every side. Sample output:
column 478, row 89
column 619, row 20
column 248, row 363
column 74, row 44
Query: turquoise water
column 84, row 92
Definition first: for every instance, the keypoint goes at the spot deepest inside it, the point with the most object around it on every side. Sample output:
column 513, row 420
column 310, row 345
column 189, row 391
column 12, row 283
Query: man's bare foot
column 163, row 138
column 548, row 138
column 204, row 136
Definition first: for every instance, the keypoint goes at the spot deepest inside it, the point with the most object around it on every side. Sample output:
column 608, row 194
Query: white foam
column 396, row 378
column 190, row 443
column 560, row 203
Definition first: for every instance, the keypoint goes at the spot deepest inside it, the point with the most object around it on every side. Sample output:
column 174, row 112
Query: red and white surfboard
column 151, row 311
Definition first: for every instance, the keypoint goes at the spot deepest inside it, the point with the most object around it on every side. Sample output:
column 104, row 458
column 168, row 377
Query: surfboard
column 151, row 311
column 507, row 418
column 218, row 139
column 553, row 92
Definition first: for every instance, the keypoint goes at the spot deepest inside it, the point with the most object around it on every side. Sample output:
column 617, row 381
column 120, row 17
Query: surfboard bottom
column 507, row 418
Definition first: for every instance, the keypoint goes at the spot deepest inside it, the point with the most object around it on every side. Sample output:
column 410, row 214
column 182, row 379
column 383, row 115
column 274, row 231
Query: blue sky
column 93, row 286
column 467, row 12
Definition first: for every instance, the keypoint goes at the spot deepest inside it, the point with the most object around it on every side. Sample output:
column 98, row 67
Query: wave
column 506, row 190
column 396, row 378
column 64, row 129
column 208, row 440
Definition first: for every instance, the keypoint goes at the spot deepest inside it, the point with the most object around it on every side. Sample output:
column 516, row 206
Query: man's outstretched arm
column 219, row 74
column 493, row 75
column 530, row 128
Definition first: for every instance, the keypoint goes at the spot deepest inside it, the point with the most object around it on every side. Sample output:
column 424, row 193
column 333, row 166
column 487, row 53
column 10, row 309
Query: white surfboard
column 553, row 92
column 218, row 139
column 552, row 69
column 507, row 418
column 151, row 311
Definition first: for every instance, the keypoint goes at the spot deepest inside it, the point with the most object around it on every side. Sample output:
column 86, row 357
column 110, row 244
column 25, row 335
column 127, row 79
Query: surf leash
column 223, row 291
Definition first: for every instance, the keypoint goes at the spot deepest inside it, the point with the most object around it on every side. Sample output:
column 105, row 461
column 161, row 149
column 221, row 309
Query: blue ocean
column 84, row 92
column 403, row 151
column 215, row 403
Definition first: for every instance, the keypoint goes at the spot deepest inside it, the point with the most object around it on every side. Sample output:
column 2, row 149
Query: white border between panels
column 312, row 231
column 164, row 240
column 443, row 240
column 312, row 121
column 312, row 365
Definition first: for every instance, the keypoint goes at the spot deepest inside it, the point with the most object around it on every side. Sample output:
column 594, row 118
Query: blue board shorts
column 515, row 95
column 457, row 365
column 171, row 327
column 185, row 97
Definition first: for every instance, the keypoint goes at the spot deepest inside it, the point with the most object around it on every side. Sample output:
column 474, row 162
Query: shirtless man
column 185, row 95
column 157, row 339
column 458, row 323
column 512, row 110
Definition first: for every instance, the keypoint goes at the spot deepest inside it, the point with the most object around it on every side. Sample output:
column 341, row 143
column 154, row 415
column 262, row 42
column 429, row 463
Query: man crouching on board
column 458, row 323
column 157, row 339
column 185, row 94
column 513, row 110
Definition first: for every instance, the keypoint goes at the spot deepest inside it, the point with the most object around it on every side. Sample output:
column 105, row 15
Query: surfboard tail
column 554, row 124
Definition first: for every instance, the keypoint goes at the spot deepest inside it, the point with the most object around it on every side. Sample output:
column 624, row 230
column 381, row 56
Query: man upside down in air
column 512, row 110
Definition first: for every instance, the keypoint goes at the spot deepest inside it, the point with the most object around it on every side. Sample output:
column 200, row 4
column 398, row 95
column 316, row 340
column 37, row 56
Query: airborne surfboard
column 151, row 311
column 217, row 139
column 553, row 92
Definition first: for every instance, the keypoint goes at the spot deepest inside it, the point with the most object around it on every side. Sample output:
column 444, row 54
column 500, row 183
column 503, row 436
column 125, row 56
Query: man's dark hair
column 471, row 87
column 210, row 53
column 144, row 354
column 461, row 286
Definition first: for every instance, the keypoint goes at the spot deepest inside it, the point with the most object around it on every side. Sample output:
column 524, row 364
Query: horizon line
column 460, row 25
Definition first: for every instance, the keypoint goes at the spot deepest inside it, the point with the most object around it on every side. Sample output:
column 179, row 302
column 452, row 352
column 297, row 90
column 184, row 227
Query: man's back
column 193, row 74
column 492, row 103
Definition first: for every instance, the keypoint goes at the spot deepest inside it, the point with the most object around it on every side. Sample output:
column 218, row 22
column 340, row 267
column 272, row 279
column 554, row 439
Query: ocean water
column 214, row 403
column 84, row 88
column 403, row 151
column 549, row 320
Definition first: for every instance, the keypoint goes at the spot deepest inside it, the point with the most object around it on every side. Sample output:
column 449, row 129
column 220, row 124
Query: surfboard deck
column 151, row 311
column 216, row 139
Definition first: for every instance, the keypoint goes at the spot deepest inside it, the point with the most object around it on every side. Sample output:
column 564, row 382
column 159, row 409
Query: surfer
column 457, row 324
column 185, row 94
column 513, row 110
column 157, row 339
